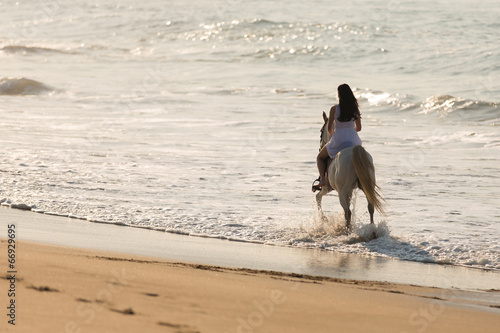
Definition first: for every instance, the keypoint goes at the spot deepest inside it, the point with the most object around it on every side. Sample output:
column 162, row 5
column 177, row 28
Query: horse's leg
column 345, row 202
column 371, row 210
column 319, row 197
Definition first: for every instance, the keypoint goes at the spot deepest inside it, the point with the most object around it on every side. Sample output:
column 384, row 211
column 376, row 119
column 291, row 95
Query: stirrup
column 315, row 187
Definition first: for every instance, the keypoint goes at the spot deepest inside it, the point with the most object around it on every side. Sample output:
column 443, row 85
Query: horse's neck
column 325, row 140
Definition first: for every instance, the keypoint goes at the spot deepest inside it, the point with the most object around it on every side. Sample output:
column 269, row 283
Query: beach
column 82, row 289
column 64, row 289
column 157, row 161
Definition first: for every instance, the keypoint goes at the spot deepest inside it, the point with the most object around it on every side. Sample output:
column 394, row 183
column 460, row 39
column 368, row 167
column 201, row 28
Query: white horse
column 352, row 168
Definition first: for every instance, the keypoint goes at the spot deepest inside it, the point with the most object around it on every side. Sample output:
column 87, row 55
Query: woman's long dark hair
column 349, row 108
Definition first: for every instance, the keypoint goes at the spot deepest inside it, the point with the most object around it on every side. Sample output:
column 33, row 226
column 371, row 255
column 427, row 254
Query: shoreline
column 66, row 289
column 75, row 276
column 55, row 230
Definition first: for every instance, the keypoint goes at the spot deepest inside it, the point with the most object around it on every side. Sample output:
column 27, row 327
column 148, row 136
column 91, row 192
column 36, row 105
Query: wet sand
column 62, row 289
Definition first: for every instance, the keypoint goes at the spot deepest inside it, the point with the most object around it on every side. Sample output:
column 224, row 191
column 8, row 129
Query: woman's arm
column 357, row 124
column 330, row 120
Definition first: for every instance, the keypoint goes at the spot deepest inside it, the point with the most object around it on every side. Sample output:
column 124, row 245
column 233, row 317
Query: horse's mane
column 322, row 132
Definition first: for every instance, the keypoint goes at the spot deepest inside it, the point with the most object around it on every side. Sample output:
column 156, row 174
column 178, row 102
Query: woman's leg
column 321, row 162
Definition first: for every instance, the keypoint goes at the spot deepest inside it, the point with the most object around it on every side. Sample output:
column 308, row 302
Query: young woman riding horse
column 352, row 166
column 347, row 120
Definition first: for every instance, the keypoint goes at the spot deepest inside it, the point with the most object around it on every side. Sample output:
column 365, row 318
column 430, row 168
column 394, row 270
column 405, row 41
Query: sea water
column 203, row 119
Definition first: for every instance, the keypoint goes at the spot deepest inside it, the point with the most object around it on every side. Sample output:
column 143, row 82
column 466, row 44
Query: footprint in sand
column 181, row 328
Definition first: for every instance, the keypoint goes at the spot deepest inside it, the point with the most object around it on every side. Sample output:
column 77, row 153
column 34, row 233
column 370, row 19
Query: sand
column 63, row 289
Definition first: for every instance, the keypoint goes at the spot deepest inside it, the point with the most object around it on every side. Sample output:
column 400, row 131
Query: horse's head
column 325, row 136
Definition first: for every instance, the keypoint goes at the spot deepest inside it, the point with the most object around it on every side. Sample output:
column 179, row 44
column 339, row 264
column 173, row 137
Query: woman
column 347, row 120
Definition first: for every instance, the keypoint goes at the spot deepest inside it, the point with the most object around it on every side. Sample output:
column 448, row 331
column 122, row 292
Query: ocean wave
column 264, row 39
column 444, row 106
column 23, row 86
column 21, row 49
column 466, row 109
column 382, row 99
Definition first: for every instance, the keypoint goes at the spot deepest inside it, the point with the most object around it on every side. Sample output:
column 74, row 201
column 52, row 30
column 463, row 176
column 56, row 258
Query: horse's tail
column 366, row 174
